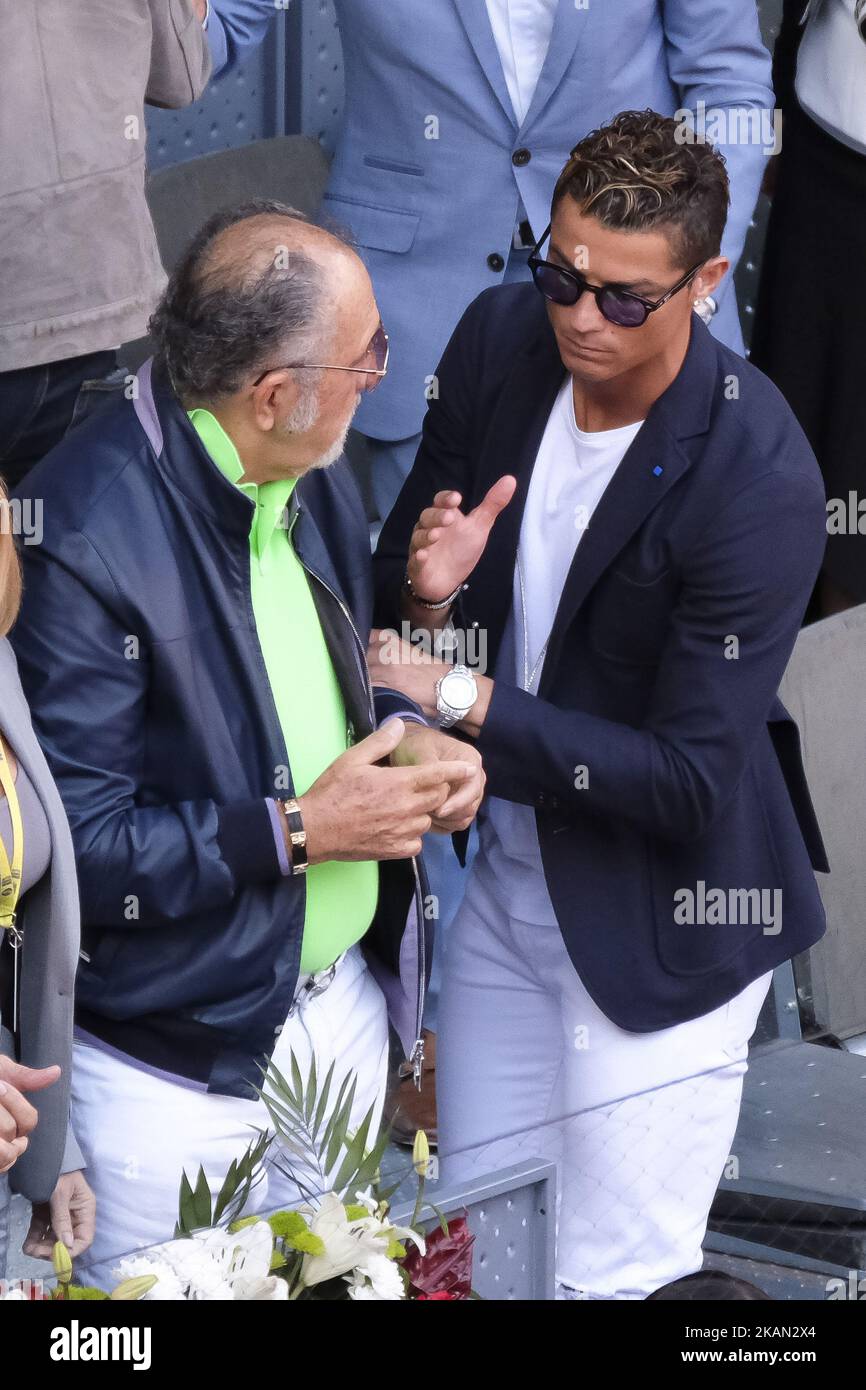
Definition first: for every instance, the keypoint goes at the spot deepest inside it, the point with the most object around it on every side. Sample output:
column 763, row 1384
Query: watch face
column 458, row 691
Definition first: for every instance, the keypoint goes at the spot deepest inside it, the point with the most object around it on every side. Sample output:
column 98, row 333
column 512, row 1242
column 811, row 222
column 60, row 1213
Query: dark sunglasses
column 374, row 362
column 621, row 307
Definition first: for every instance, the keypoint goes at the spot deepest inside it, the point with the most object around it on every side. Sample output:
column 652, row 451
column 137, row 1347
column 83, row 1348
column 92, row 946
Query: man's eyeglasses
column 621, row 307
column 374, row 363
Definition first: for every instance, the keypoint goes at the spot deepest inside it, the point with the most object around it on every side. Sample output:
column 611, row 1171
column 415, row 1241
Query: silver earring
column 705, row 307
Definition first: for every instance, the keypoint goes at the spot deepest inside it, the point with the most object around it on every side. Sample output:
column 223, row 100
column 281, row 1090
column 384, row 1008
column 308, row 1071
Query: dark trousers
column 38, row 405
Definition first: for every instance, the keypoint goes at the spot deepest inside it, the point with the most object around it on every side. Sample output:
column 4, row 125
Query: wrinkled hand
column 69, row 1215
column 419, row 746
column 17, row 1116
column 359, row 810
column 446, row 545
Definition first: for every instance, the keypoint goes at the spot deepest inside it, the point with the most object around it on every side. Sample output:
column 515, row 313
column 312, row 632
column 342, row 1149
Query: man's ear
column 707, row 279
column 274, row 398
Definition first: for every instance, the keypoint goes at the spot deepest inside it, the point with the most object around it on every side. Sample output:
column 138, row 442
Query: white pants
column 639, row 1124
column 140, row 1132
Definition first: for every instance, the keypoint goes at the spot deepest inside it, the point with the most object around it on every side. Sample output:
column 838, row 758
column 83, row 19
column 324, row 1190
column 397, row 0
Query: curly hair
column 643, row 171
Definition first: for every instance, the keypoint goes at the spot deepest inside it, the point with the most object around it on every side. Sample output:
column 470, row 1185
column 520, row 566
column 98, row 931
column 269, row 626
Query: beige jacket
column 79, row 266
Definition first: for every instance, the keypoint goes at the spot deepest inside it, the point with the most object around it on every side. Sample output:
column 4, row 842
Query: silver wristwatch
column 456, row 693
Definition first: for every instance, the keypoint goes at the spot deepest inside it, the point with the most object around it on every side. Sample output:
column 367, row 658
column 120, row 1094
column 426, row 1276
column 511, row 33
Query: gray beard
column 335, row 451
column 331, row 455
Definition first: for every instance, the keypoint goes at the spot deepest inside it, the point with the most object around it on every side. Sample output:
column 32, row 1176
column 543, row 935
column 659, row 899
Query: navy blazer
column 712, row 529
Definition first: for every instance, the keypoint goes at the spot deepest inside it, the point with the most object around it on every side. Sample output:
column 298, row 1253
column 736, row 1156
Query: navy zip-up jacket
column 139, row 655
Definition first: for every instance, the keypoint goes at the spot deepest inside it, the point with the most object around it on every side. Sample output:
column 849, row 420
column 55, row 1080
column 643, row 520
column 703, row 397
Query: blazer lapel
column 476, row 22
column 511, row 445
column 635, row 489
column 569, row 28
column 652, row 465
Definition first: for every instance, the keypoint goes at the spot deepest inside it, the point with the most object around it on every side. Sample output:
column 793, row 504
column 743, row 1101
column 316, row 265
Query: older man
column 193, row 645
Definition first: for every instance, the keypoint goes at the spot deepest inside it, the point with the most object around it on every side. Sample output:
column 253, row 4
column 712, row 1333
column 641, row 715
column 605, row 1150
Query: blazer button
column 521, row 157
column 495, row 261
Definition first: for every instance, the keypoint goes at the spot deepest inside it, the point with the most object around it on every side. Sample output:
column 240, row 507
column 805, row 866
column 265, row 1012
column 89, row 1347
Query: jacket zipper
column 357, row 646
column 416, row 1056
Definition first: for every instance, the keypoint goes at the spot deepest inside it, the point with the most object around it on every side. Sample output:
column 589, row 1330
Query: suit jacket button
column 521, row 157
column 495, row 261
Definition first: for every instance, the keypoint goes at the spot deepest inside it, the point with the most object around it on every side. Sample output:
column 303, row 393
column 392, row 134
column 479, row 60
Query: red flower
column 445, row 1271
column 439, row 1297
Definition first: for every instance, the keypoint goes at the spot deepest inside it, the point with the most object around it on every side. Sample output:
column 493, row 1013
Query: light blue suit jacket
column 423, row 173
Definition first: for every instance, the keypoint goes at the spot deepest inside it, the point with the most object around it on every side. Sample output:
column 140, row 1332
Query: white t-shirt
column 572, row 469
column 522, row 30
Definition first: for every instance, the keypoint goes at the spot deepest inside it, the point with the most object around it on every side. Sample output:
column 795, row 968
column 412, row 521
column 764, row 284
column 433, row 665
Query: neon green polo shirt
column 341, row 897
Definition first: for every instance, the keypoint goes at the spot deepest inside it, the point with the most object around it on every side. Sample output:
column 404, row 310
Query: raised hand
column 446, row 545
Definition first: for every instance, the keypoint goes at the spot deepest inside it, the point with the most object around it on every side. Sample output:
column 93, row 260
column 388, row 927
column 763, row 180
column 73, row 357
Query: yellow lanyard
column 10, row 874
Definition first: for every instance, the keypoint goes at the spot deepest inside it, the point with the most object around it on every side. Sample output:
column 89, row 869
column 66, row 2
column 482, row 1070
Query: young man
column 646, row 841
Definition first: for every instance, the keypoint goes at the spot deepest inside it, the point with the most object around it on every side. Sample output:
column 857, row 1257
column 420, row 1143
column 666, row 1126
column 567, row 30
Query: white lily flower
column 378, row 1278
column 347, row 1244
column 366, row 1199
column 404, row 1233
column 384, row 1227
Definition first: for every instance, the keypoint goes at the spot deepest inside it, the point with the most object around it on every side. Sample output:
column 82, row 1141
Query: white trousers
column 639, row 1124
column 139, row 1132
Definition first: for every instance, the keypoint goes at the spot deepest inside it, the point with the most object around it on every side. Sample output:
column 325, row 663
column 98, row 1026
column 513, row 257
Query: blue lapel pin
column 658, row 469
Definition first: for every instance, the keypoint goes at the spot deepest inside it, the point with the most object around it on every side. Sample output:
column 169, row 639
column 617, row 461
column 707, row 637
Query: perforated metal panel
column 244, row 105
column 315, row 67
column 512, row 1216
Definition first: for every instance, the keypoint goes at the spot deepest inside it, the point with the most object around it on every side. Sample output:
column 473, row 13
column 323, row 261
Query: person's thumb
column 377, row 745
column 496, row 498
column 27, row 1078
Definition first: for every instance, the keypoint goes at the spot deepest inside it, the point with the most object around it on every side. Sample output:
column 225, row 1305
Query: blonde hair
column 10, row 567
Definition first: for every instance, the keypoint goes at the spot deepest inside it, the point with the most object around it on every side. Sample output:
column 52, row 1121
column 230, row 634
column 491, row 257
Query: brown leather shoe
column 406, row 1109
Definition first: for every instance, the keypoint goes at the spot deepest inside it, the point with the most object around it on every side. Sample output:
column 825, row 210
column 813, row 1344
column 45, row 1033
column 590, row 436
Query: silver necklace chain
column 529, row 676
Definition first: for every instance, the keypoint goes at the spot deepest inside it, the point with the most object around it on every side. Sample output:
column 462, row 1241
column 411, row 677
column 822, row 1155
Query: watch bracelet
column 297, row 834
